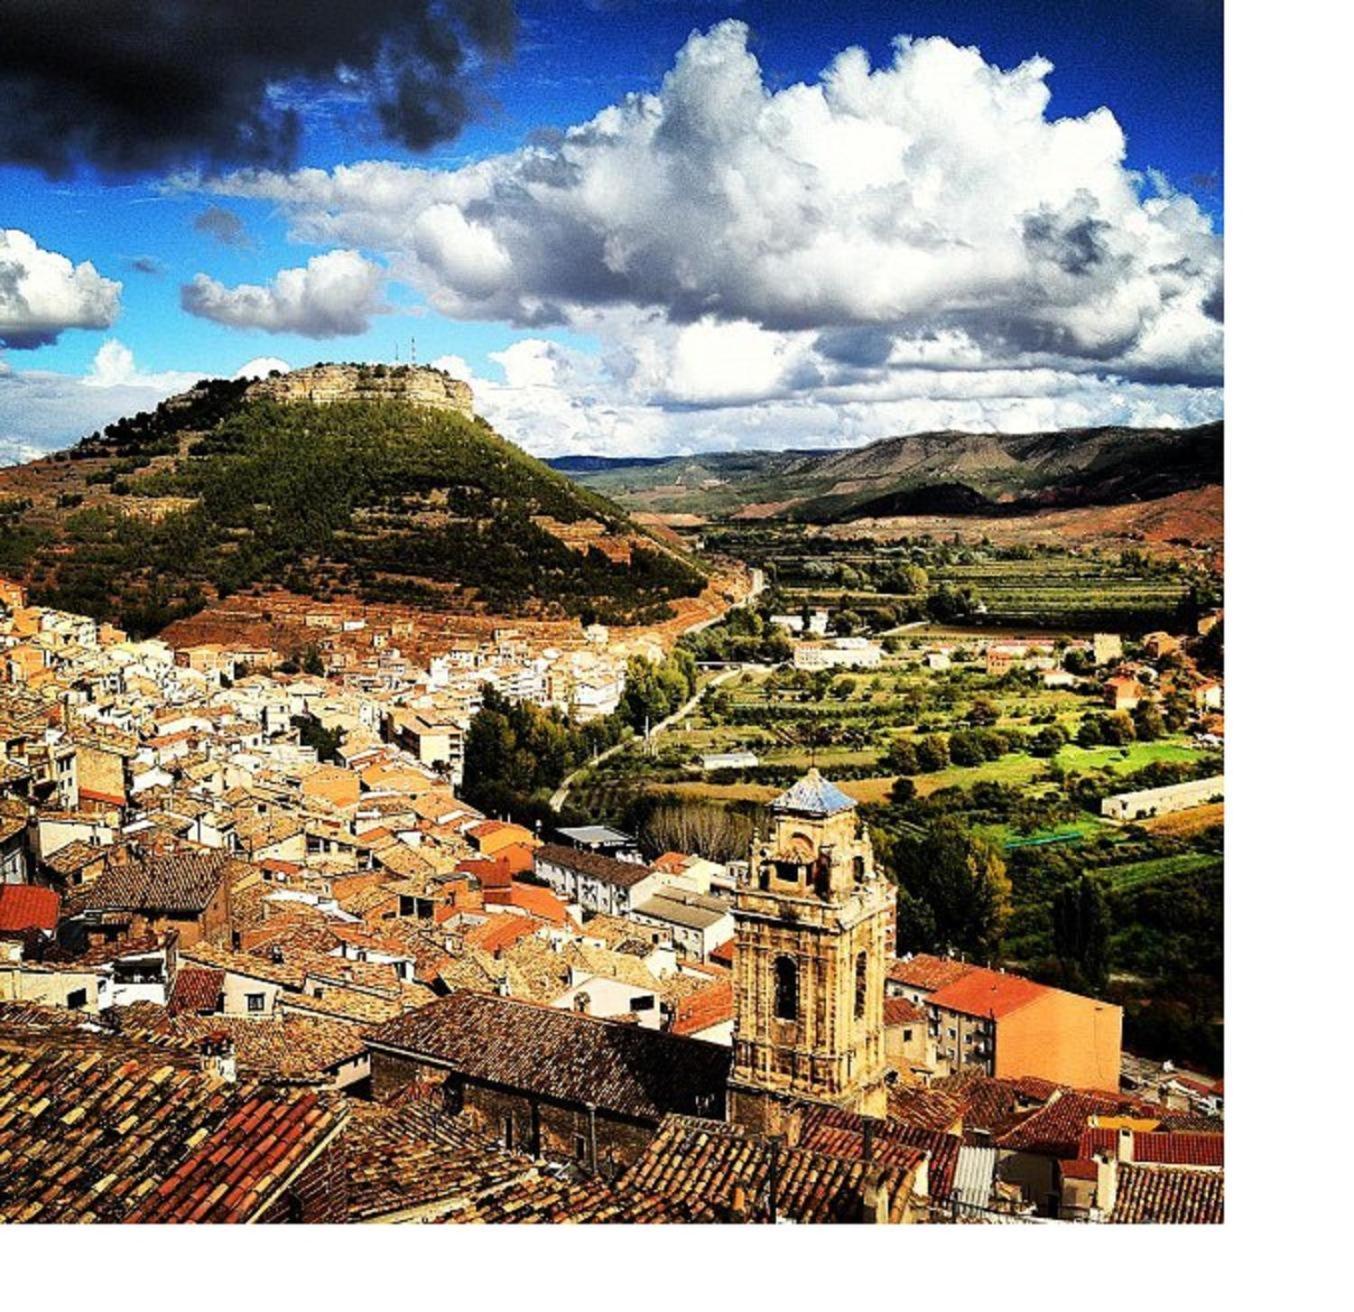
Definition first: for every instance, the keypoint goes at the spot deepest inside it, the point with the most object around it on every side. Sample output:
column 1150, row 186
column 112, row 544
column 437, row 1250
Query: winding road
column 558, row 797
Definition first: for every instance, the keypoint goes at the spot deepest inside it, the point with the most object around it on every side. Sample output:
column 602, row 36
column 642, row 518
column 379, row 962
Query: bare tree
column 704, row 828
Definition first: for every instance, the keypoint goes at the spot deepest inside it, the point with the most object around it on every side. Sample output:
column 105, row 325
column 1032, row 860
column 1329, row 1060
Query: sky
column 635, row 228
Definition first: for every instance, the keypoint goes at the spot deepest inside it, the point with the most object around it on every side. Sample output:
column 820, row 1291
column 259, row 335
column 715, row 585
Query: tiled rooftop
column 1167, row 1195
column 1187, row 1149
column 924, row 971
column 604, row 869
column 560, row 1054
column 728, row 1168
column 97, row 1129
column 416, row 1157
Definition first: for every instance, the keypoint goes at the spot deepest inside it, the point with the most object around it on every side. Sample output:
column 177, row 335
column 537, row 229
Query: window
column 77, row 999
column 907, row 1036
column 862, row 983
column 787, row 989
column 253, row 1001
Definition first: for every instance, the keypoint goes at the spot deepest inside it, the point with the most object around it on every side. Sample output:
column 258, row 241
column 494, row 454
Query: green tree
column 954, row 894
column 933, row 753
column 966, row 748
column 901, row 757
column 1089, row 732
column 1148, row 721
column 1116, row 729
column 1049, row 741
column 1081, row 932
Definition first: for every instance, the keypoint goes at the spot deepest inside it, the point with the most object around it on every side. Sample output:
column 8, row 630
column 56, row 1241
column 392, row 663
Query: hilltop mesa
column 324, row 384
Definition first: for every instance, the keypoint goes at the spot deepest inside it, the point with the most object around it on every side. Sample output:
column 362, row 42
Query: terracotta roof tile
column 26, row 906
column 1187, row 1149
column 97, row 1128
column 197, row 989
column 1167, row 1195
column 983, row 992
column 605, row 869
column 924, row 971
column 724, row 1166
column 708, row 1006
column 180, row 882
column 621, row 1068
column 899, row 1011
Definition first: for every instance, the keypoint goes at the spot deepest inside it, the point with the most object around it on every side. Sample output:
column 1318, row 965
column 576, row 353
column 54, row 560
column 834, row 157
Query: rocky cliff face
column 326, row 383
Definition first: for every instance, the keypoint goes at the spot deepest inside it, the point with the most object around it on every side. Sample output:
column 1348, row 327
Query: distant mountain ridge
column 922, row 473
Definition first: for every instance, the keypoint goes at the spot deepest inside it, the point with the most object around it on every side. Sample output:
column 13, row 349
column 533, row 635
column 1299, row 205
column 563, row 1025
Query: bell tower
column 812, row 921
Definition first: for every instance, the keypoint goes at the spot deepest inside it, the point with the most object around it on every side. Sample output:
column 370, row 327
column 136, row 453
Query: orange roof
column 277, row 867
column 706, row 1007
column 26, row 906
column 987, row 993
column 1078, row 1169
column 499, row 932
column 492, row 836
column 899, row 1011
column 928, row 972
column 723, row 954
column 538, row 902
column 492, row 872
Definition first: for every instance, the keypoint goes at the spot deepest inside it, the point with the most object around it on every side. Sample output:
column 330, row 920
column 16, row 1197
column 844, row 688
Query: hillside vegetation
column 221, row 491
column 922, row 474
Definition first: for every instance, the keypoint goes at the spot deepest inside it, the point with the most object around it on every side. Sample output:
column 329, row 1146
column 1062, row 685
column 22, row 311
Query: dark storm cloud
column 223, row 224
column 1076, row 247
column 864, row 347
column 131, row 85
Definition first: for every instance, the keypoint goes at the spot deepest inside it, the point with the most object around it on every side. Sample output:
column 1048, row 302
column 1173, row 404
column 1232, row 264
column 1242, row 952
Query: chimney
column 867, row 1139
column 581, row 1003
column 1125, row 1144
column 1106, row 1183
column 217, row 1054
column 874, row 1200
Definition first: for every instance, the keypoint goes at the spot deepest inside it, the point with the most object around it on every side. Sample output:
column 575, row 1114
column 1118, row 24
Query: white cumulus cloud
column 332, row 295
column 261, row 366
column 42, row 293
column 930, row 195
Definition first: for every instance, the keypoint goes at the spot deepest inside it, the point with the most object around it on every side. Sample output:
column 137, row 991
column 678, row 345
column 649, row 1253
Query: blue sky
column 1156, row 65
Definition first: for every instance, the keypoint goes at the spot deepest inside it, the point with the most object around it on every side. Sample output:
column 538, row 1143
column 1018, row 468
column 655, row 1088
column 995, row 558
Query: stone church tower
column 812, row 924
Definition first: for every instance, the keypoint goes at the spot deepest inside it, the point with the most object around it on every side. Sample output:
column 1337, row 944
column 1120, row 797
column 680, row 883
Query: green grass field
column 1136, row 874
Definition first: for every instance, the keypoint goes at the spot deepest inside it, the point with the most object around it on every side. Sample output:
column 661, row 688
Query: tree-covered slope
column 221, row 490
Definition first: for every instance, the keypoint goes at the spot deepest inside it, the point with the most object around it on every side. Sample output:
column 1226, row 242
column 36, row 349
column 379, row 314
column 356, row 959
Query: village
column 318, row 985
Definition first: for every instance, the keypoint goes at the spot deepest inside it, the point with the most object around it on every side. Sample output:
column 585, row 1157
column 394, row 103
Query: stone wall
column 323, row 384
column 533, row 1125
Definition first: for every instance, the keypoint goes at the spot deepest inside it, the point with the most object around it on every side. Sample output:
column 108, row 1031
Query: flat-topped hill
column 238, row 487
column 324, row 384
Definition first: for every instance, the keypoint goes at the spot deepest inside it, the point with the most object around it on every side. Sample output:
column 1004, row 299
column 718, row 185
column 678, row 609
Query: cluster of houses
column 384, row 1005
column 370, row 692
column 1164, row 667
